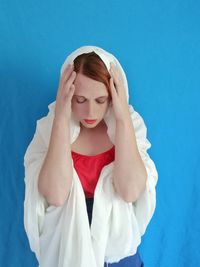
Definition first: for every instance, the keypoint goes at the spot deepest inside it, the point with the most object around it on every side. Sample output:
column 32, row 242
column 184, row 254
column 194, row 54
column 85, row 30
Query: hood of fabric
column 109, row 118
column 56, row 233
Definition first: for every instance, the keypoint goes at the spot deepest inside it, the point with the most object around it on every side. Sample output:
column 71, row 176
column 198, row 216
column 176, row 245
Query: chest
column 92, row 144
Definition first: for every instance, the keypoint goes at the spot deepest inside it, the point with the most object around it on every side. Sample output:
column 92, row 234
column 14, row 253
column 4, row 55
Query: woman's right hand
column 65, row 92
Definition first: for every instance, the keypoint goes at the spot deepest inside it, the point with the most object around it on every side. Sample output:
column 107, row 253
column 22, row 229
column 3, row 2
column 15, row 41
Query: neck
column 101, row 126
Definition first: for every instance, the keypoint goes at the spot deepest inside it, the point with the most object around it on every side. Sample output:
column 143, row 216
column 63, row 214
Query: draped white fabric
column 61, row 236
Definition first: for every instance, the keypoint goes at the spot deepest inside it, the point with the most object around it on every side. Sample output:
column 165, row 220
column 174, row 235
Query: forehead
column 88, row 87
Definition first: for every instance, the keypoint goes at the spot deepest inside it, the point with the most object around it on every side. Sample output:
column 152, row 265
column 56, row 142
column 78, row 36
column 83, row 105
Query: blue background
column 157, row 44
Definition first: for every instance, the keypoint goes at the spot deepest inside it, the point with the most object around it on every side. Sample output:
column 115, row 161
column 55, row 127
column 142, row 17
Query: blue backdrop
column 157, row 43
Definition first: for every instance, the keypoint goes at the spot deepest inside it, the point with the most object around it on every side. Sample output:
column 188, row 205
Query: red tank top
column 89, row 168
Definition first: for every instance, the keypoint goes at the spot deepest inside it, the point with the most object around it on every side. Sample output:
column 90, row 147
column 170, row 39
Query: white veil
column 55, row 234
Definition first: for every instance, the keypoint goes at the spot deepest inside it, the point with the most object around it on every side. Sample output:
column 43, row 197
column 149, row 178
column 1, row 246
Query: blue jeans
column 131, row 261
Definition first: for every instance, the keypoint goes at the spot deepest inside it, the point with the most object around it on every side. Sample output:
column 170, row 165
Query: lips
column 90, row 121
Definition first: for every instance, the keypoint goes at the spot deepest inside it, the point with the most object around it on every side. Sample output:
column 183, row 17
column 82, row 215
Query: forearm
column 55, row 177
column 129, row 171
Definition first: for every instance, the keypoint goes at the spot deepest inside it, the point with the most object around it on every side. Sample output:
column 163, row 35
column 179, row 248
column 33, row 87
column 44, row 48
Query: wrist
column 60, row 121
column 125, row 119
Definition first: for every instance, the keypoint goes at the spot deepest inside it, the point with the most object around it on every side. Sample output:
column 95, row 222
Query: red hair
column 92, row 66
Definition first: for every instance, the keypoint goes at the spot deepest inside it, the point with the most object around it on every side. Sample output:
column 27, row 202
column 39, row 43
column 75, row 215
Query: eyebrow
column 95, row 98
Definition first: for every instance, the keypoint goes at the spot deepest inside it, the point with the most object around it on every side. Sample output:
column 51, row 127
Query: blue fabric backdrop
column 157, row 43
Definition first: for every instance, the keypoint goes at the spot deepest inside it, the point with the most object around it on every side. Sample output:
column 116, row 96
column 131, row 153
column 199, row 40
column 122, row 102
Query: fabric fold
column 61, row 236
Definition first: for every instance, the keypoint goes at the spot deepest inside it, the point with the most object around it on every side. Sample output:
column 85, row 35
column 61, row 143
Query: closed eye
column 101, row 102
column 80, row 101
column 98, row 101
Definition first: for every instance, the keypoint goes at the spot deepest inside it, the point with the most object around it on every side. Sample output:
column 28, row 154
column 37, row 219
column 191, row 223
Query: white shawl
column 61, row 236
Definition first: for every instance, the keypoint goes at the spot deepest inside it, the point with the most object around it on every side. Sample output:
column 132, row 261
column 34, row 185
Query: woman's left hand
column 119, row 98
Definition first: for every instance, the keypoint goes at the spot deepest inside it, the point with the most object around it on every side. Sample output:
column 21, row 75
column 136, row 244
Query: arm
column 55, row 178
column 129, row 172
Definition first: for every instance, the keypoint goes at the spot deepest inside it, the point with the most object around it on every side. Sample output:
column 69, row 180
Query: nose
column 91, row 111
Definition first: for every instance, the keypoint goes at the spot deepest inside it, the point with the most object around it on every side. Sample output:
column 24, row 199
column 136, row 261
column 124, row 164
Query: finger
column 117, row 73
column 66, row 73
column 71, row 91
column 119, row 84
column 69, row 82
column 114, row 82
column 113, row 88
column 67, row 69
column 115, row 77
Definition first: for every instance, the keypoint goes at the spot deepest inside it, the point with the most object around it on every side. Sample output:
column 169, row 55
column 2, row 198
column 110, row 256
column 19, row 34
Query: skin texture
column 93, row 101
column 55, row 178
column 90, row 101
column 130, row 175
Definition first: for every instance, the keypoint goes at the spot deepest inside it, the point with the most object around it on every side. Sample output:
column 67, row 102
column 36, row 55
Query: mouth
column 90, row 121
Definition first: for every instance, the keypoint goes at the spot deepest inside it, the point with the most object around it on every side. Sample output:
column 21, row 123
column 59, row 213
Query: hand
column 119, row 98
column 65, row 92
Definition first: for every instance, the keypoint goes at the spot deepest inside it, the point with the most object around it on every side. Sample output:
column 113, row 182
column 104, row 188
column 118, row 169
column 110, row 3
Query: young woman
column 87, row 90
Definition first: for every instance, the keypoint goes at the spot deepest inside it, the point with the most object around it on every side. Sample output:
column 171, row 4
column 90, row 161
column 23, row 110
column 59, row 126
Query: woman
column 87, row 90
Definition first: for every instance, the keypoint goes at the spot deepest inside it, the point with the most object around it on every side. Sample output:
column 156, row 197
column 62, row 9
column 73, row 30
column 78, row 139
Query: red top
column 89, row 168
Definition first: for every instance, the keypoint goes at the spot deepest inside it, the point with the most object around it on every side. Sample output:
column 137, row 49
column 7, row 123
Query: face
column 90, row 100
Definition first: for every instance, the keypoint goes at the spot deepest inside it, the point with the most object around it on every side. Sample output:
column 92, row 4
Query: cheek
column 80, row 110
column 77, row 109
column 102, row 108
column 107, row 105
